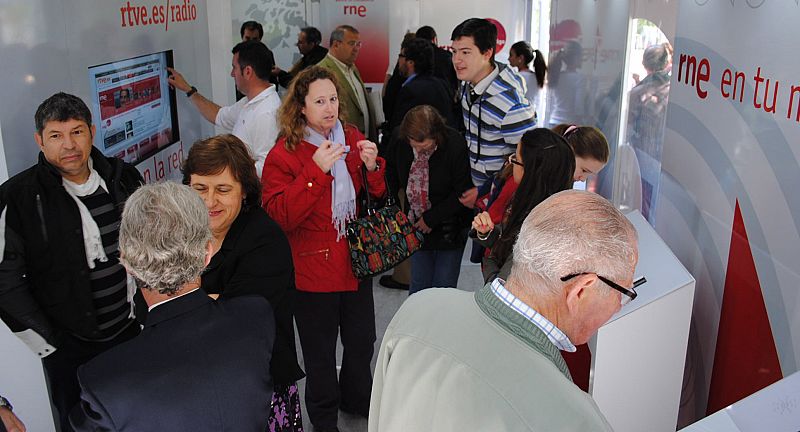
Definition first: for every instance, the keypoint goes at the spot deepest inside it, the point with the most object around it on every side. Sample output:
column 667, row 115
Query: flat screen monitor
column 133, row 106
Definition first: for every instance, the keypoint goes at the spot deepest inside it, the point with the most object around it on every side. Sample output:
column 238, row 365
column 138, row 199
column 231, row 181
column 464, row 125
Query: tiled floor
column 387, row 301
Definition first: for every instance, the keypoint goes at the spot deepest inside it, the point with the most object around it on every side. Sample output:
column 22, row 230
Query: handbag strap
column 370, row 204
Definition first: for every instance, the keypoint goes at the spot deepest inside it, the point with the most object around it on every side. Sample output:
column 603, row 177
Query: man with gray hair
column 354, row 104
column 454, row 360
column 198, row 364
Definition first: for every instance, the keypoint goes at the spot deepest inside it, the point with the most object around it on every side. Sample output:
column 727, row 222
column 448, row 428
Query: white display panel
column 775, row 408
column 725, row 159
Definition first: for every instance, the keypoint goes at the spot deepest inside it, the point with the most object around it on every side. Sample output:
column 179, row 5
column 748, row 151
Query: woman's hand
column 483, row 223
column 369, row 154
column 327, row 154
column 468, row 198
column 422, row 226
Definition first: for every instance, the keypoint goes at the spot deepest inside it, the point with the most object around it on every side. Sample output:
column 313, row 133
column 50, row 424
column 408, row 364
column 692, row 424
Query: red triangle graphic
column 746, row 359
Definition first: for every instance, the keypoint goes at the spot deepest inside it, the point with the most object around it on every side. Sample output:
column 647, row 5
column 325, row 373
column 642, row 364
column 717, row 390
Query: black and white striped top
column 108, row 279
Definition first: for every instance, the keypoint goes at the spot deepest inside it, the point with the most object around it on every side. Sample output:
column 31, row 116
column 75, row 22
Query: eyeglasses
column 630, row 294
column 513, row 159
column 355, row 43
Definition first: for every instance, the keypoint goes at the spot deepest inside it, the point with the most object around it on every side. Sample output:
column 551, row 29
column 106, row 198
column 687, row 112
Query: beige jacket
column 349, row 108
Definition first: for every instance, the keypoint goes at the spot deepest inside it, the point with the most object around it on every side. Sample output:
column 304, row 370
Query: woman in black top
column 251, row 256
column 431, row 164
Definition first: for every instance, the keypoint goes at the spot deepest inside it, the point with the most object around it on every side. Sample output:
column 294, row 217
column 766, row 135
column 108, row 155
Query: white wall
column 721, row 154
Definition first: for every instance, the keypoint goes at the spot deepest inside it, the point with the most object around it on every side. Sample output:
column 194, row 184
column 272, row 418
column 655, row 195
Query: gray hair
column 572, row 232
column 163, row 236
column 338, row 33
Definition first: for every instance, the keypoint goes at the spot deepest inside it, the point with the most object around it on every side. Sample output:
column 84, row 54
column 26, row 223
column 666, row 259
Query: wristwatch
column 4, row 403
column 192, row 91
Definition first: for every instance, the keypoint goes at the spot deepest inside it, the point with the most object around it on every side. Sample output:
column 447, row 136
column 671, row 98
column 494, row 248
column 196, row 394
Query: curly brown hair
column 212, row 155
column 290, row 116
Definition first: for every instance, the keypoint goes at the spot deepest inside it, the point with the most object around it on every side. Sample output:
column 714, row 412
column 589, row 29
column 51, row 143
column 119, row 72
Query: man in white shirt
column 253, row 119
column 354, row 105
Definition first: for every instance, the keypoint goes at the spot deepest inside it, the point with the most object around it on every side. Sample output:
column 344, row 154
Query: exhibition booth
column 718, row 214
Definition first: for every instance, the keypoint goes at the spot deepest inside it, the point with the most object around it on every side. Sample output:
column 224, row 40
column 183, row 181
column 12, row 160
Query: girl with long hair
column 520, row 56
column 542, row 165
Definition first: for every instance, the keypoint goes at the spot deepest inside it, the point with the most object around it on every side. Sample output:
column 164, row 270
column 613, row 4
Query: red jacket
column 297, row 195
column 497, row 211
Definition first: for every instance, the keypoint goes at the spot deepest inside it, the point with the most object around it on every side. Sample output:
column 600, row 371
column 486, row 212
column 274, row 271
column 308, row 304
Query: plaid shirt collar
column 556, row 336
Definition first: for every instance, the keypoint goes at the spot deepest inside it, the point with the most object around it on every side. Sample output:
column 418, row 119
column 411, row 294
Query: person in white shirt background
column 253, row 118
column 520, row 56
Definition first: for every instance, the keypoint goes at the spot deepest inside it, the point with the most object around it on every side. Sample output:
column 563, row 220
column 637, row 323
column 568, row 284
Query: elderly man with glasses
column 490, row 360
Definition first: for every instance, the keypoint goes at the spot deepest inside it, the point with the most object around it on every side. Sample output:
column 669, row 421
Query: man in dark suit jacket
column 442, row 58
column 198, row 365
column 420, row 86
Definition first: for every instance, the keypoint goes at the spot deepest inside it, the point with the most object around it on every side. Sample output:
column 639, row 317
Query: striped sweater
column 495, row 122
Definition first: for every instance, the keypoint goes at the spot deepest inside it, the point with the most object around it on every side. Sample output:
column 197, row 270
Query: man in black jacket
column 421, row 87
column 308, row 43
column 442, row 58
column 62, row 288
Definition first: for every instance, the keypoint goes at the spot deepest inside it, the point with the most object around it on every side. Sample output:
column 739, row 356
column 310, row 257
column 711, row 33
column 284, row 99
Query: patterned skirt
column 284, row 413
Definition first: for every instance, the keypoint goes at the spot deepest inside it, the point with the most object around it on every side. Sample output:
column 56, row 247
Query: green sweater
column 519, row 327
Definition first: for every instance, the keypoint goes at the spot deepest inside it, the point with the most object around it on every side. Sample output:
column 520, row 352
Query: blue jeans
column 435, row 268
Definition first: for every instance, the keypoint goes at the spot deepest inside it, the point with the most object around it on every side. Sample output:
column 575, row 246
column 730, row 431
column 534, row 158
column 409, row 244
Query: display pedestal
column 773, row 408
column 638, row 356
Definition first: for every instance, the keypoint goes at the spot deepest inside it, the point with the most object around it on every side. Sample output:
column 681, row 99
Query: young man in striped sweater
column 493, row 103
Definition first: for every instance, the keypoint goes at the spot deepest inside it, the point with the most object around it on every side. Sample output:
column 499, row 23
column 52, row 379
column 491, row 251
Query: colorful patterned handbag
column 381, row 239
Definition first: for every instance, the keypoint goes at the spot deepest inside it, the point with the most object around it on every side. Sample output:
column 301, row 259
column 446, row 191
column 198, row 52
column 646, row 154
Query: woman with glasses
column 542, row 165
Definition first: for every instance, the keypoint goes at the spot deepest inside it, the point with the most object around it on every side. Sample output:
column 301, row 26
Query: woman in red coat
column 311, row 181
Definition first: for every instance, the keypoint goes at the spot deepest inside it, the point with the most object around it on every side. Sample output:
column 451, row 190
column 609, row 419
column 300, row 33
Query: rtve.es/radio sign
column 138, row 15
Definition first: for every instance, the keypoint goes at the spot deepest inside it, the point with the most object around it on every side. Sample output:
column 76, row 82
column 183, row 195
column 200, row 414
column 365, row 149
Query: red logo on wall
column 501, row 35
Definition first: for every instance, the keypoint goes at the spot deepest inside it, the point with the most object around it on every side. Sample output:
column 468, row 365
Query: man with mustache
column 62, row 289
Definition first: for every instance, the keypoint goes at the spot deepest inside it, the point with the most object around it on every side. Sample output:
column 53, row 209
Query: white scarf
column 92, row 242
column 343, row 193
